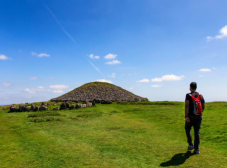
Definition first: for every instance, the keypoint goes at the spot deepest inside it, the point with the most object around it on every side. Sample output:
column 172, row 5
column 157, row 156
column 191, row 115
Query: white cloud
column 3, row 57
column 222, row 34
column 58, row 87
column 110, row 56
column 205, row 70
column 131, row 88
column 6, row 83
column 35, row 90
column 93, row 57
column 33, row 53
column 168, row 78
column 43, row 55
column 113, row 62
column 113, row 75
column 156, row 80
column 144, row 80
column 103, row 80
column 156, row 86
column 58, row 91
column 33, row 78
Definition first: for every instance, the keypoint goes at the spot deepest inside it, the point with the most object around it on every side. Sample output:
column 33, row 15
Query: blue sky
column 153, row 48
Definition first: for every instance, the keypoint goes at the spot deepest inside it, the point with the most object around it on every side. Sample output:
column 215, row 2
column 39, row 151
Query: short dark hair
column 193, row 85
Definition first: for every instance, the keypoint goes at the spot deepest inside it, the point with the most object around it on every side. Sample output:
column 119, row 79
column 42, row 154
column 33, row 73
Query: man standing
column 193, row 116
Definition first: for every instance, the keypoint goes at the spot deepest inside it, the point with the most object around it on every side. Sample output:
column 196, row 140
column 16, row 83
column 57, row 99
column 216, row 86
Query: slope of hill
column 99, row 91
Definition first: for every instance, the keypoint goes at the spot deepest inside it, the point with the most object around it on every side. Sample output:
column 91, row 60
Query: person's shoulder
column 187, row 97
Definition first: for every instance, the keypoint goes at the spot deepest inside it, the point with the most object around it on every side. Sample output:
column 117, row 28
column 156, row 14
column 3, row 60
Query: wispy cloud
column 110, row 56
column 94, row 57
column 168, row 78
column 96, row 68
column 144, row 81
column 35, row 90
column 43, row 55
column 6, row 83
column 113, row 75
column 4, row 57
column 103, row 80
column 33, row 78
column 113, row 62
column 221, row 35
column 40, row 55
column 72, row 39
column 58, row 91
column 156, row 86
column 58, row 87
column 205, row 70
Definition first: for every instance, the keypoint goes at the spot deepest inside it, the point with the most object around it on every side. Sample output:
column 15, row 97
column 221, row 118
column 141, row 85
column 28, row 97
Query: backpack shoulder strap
column 193, row 98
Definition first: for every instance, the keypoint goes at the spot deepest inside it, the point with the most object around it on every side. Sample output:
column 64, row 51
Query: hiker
column 194, row 106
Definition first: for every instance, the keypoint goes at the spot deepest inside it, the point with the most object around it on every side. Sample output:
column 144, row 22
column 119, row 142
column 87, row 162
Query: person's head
column 193, row 86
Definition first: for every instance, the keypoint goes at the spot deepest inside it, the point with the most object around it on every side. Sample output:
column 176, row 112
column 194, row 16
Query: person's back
column 192, row 118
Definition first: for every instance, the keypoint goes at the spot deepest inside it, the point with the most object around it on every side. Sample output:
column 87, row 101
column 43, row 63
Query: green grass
column 149, row 134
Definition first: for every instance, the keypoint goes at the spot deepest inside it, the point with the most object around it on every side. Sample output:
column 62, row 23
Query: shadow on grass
column 177, row 159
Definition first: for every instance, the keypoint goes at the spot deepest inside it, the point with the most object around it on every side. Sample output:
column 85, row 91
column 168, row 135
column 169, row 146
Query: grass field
column 123, row 135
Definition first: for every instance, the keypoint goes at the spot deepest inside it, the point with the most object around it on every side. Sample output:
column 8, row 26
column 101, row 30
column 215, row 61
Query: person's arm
column 187, row 110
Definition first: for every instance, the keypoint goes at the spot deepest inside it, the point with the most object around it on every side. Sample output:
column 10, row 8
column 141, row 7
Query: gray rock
column 67, row 105
column 27, row 108
column 78, row 105
column 83, row 105
column 63, row 106
column 88, row 104
column 42, row 108
column 36, row 109
column 12, row 109
column 21, row 107
column 72, row 106
column 32, row 106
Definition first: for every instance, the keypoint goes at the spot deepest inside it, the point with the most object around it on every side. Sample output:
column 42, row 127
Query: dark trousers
column 195, row 122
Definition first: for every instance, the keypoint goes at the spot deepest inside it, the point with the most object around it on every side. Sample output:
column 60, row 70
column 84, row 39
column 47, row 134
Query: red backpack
column 197, row 104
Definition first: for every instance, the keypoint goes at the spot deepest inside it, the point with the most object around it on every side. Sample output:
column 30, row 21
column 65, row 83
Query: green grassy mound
column 147, row 134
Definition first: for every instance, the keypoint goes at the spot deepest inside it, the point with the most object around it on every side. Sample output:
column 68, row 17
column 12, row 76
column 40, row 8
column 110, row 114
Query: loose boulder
column 27, row 108
column 63, row 106
column 32, row 107
column 12, row 109
column 83, row 105
column 42, row 108
column 88, row 104
column 67, row 105
column 72, row 106
column 21, row 107
column 78, row 105
column 36, row 109
column 93, row 103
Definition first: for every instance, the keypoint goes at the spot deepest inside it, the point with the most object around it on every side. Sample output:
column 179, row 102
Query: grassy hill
column 149, row 134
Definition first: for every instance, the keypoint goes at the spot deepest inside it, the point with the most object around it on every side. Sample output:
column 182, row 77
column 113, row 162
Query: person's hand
column 187, row 119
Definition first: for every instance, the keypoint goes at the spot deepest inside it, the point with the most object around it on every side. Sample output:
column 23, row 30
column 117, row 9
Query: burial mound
column 99, row 91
